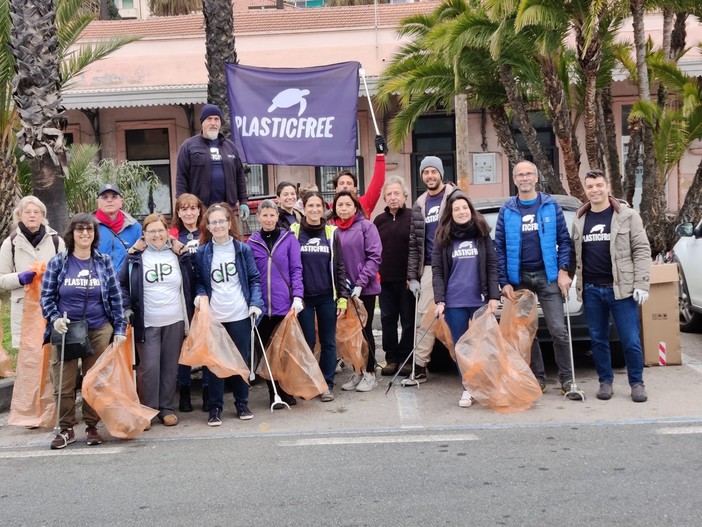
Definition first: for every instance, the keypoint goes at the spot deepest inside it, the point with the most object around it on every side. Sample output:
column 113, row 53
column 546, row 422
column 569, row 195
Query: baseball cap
column 109, row 187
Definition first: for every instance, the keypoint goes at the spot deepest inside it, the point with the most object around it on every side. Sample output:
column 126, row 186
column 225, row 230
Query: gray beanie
column 432, row 161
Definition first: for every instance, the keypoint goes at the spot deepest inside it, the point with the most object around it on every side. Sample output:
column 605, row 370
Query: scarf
column 115, row 225
column 345, row 224
column 32, row 237
column 465, row 231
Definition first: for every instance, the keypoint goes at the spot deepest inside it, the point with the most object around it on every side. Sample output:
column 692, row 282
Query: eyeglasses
column 525, row 175
column 155, row 231
column 217, row 223
column 81, row 228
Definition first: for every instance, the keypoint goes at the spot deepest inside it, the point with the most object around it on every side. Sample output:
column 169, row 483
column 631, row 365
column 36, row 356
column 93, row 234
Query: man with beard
column 209, row 165
column 426, row 212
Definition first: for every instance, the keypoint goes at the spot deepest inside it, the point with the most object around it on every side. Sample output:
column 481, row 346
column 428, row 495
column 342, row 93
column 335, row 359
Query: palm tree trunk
column 503, row 130
column 522, row 120
column 632, row 160
column 609, row 140
column 220, row 49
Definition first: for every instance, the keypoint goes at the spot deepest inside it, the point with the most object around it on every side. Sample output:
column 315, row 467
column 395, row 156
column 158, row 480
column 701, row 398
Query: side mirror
column 685, row 229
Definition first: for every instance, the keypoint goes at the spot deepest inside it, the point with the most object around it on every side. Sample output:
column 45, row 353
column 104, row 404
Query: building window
column 256, row 180
column 151, row 147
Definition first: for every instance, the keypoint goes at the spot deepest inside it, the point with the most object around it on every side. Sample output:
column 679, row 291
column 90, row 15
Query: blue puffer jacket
column 553, row 234
column 116, row 245
column 280, row 269
column 249, row 276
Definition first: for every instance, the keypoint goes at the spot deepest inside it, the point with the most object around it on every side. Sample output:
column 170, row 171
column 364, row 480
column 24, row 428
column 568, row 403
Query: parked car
column 688, row 254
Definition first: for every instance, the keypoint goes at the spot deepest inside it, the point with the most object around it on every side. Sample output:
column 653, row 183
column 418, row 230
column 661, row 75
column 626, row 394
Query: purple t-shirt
column 218, row 190
column 315, row 254
column 431, row 222
column 531, row 257
column 463, row 288
column 72, row 293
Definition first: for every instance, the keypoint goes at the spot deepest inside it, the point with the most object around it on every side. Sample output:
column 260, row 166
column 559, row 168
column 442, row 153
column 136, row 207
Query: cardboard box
column 660, row 316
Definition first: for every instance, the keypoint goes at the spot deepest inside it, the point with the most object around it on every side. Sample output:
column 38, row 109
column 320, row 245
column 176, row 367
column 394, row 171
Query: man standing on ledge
column 613, row 263
column 533, row 252
column 118, row 230
column 209, row 166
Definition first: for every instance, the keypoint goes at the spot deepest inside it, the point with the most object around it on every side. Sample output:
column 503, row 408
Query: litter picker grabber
column 276, row 397
column 410, row 381
column 57, row 427
column 574, row 394
column 252, row 374
column 134, row 364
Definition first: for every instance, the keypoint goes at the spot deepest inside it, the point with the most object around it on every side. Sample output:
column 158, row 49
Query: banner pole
column 362, row 73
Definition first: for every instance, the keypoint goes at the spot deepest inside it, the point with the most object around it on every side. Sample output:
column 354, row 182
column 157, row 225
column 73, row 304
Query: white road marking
column 680, row 430
column 692, row 362
column 407, row 405
column 92, row 451
column 368, row 440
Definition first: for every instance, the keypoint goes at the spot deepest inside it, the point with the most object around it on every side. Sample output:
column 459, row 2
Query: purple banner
column 294, row 116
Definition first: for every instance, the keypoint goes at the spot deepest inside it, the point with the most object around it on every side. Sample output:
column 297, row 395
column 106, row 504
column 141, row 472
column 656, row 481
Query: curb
column 6, row 386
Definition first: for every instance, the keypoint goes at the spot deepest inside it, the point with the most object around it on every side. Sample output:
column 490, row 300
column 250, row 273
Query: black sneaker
column 390, row 369
column 185, row 404
column 420, row 374
column 215, row 418
column 243, row 412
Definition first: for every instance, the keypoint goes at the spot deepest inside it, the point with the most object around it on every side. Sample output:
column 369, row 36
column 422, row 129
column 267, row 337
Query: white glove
column 255, row 312
column 118, row 340
column 356, row 291
column 415, row 287
column 197, row 301
column 61, row 325
column 640, row 295
column 298, row 305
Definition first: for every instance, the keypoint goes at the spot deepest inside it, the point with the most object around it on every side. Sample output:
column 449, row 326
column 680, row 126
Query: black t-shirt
column 597, row 260
column 531, row 257
column 315, row 253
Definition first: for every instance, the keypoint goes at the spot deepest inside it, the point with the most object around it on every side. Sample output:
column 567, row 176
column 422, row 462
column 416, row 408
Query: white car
column 688, row 254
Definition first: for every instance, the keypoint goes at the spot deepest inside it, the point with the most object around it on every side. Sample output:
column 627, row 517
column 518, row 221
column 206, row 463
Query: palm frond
column 76, row 61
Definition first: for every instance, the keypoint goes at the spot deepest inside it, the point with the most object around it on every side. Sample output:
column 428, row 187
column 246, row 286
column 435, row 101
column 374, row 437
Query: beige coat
column 628, row 246
column 25, row 254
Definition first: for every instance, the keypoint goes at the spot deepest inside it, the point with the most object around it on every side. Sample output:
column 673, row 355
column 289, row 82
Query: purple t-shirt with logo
column 597, row 260
column 72, row 293
column 531, row 257
column 431, row 222
column 463, row 287
column 315, row 254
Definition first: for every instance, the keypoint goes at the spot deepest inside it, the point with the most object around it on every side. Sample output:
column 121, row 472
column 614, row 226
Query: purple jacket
column 361, row 250
column 285, row 259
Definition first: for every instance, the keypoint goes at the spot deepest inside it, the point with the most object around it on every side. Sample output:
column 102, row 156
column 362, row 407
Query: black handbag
column 77, row 339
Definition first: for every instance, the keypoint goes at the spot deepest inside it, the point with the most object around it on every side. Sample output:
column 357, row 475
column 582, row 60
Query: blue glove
column 26, row 277
column 244, row 212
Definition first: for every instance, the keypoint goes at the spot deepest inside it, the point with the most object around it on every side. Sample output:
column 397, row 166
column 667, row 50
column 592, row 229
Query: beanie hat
column 208, row 110
column 434, row 162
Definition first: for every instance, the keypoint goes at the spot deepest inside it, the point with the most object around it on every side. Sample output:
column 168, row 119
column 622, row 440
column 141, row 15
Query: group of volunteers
column 314, row 258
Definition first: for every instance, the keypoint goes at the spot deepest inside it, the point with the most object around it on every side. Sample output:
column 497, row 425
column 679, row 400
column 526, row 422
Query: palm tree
column 173, row 7
column 220, row 49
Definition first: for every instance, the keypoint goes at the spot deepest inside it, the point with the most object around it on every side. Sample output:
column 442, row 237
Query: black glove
column 381, row 147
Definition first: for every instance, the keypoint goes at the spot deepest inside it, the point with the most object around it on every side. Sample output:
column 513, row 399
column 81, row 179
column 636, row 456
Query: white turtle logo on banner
column 289, row 98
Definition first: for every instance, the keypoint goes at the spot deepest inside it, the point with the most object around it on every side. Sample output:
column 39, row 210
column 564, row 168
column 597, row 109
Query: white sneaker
column 466, row 400
column 368, row 383
column 339, row 366
column 354, row 381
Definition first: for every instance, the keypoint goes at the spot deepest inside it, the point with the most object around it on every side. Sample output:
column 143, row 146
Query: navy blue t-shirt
column 218, row 189
column 315, row 253
column 463, row 288
column 72, row 299
column 431, row 222
column 597, row 260
column 190, row 239
column 531, row 257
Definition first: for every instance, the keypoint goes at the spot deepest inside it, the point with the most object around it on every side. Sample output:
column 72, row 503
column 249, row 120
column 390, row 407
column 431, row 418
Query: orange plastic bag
column 292, row 361
column 5, row 360
column 209, row 344
column 351, row 347
column 109, row 388
column 519, row 322
column 494, row 372
column 441, row 330
column 33, row 402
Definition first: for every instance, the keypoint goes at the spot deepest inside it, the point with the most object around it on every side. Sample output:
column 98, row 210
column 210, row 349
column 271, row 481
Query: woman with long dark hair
column 82, row 283
column 464, row 268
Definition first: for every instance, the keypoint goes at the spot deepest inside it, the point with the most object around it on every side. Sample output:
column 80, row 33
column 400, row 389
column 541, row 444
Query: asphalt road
column 409, row 458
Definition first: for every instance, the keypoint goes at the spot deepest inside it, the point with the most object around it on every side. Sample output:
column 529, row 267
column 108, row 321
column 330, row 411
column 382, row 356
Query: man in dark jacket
column 396, row 300
column 209, row 166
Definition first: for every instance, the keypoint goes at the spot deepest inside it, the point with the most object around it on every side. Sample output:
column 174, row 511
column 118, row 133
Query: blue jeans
column 599, row 302
column 240, row 332
column 551, row 300
column 325, row 309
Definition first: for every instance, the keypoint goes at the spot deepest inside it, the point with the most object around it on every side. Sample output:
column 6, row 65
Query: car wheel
column 690, row 320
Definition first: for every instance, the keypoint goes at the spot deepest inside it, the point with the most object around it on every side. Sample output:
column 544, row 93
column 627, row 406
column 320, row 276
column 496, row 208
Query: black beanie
column 209, row 110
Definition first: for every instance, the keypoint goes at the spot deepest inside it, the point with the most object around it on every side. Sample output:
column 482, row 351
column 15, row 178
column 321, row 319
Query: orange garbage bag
column 519, row 322
column 441, row 330
column 351, row 347
column 292, row 362
column 5, row 360
column 109, row 388
column 33, row 402
column 209, row 344
column 494, row 372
